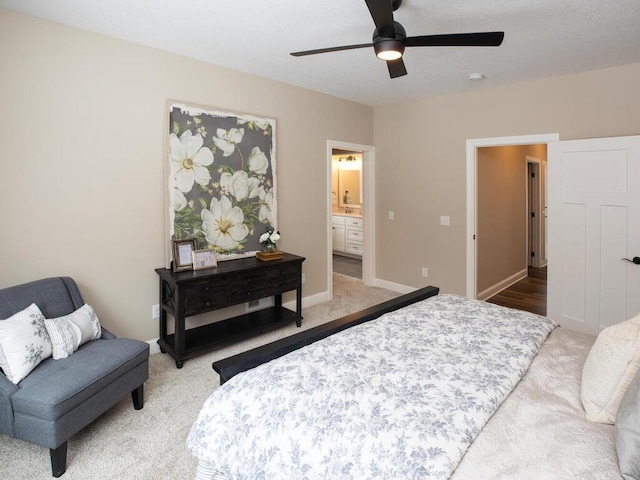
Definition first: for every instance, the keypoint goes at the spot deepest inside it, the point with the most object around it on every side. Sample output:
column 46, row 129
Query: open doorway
column 347, row 212
column 512, row 221
column 350, row 208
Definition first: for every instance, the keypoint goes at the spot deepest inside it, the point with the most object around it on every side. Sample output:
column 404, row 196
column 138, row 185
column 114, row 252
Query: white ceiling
column 542, row 38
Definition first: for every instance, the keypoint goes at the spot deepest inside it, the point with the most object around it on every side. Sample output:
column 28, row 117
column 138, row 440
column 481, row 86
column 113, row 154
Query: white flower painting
column 221, row 179
column 189, row 161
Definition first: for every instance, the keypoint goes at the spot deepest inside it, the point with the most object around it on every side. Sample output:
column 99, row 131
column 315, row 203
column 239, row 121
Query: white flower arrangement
column 270, row 237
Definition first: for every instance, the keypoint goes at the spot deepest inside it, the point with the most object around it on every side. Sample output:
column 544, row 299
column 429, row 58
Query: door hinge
column 533, row 254
column 533, row 214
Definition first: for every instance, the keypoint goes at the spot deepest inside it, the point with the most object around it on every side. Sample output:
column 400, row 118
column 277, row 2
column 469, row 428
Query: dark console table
column 232, row 282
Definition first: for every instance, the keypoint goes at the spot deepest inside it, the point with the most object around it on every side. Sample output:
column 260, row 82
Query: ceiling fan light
column 389, row 49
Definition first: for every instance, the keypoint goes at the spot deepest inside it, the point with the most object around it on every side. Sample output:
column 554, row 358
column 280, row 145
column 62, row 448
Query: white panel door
column 594, row 222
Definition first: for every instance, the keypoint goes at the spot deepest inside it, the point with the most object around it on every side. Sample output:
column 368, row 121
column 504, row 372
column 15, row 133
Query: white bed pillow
column 628, row 431
column 67, row 333
column 610, row 366
column 24, row 343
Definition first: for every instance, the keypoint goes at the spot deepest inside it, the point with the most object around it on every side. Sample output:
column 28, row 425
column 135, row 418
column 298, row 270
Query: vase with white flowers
column 269, row 240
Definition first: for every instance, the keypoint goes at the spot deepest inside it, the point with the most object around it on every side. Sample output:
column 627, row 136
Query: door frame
column 533, row 195
column 472, row 182
column 368, row 209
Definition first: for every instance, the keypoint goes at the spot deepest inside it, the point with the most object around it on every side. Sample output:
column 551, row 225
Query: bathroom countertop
column 342, row 214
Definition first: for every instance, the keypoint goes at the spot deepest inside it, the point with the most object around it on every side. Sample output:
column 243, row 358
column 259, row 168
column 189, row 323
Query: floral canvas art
column 221, row 179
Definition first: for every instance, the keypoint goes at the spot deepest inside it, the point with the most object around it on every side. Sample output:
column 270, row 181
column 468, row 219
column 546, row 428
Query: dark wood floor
column 529, row 294
column 347, row 266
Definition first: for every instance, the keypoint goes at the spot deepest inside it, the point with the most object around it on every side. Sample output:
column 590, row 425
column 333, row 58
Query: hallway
column 528, row 294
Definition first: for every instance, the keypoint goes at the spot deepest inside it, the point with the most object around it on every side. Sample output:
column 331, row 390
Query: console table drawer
column 205, row 288
column 250, row 286
column 246, row 294
column 248, row 280
column 202, row 303
column 282, row 285
column 287, row 271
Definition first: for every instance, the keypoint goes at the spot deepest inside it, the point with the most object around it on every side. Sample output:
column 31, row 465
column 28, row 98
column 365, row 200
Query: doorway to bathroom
column 350, row 211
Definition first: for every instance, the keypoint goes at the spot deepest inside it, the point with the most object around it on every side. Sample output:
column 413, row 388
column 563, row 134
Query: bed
column 425, row 386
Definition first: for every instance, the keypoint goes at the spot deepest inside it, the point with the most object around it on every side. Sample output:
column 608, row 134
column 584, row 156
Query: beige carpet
column 150, row 443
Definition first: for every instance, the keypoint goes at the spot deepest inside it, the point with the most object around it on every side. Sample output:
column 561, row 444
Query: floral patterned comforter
column 400, row 397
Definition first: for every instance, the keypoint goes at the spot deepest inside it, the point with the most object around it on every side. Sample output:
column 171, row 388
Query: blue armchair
column 60, row 397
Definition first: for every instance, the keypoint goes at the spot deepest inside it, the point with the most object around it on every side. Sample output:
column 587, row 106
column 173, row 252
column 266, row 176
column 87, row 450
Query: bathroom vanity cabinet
column 348, row 235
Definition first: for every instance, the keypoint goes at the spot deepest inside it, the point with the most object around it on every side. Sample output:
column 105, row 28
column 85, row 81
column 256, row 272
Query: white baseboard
column 309, row 301
column 153, row 346
column 394, row 287
column 506, row 283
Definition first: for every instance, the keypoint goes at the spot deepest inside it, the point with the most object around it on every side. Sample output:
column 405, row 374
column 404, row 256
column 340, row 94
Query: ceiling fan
column 390, row 38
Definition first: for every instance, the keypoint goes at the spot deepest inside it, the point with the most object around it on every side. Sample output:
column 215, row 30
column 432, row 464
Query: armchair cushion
column 57, row 386
column 24, row 343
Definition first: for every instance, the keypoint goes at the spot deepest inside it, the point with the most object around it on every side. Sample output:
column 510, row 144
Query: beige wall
column 82, row 160
column 421, row 159
column 501, row 215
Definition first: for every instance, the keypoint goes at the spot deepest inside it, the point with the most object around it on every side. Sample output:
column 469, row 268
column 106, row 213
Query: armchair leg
column 138, row 397
column 58, row 460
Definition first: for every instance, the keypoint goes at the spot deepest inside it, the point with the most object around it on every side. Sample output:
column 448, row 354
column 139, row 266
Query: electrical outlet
column 303, row 279
column 390, row 214
column 155, row 311
column 425, row 272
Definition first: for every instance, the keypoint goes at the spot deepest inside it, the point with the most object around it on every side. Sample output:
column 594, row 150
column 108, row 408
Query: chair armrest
column 7, row 389
column 106, row 334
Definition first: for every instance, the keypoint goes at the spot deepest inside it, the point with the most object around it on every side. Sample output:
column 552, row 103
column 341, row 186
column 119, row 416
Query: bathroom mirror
column 350, row 188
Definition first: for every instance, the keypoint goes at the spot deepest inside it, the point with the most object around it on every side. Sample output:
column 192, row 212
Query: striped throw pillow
column 69, row 332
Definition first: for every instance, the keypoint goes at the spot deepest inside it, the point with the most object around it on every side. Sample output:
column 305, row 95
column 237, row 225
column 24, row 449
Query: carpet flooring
column 150, row 444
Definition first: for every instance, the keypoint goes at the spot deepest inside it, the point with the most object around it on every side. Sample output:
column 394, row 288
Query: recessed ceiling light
column 476, row 76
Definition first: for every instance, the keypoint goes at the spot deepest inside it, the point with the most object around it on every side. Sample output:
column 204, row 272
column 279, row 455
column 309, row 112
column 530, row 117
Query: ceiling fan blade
column 480, row 39
column 382, row 14
column 396, row 68
column 331, row 49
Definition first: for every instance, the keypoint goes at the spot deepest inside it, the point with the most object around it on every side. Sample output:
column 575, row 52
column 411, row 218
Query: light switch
column 444, row 220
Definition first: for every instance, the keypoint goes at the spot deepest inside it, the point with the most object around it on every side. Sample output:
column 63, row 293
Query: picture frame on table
column 183, row 253
column 205, row 258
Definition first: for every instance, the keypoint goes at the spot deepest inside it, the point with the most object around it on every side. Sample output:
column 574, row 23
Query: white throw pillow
column 69, row 332
column 24, row 343
column 610, row 366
